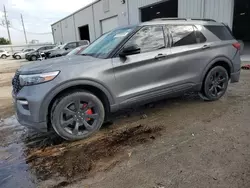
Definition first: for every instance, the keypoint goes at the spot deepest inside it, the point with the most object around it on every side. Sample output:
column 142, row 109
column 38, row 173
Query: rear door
column 143, row 76
column 189, row 49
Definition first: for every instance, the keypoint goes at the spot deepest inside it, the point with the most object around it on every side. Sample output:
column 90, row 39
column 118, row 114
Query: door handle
column 206, row 47
column 159, row 56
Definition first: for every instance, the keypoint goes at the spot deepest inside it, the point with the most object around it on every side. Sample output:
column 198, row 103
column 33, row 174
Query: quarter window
column 222, row 32
column 148, row 38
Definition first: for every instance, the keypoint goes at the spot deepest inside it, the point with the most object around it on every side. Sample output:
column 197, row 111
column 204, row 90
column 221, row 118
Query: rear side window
column 182, row 35
column 221, row 32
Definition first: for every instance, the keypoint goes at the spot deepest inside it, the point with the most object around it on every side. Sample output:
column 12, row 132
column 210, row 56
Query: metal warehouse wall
column 82, row 18
column 190, row 8
column 220, row 10
column 68, row 31
column 129, row 13
column 115, row 8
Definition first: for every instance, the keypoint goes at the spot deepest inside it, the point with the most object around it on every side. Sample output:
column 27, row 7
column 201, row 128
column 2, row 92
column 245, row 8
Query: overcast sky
column 38, row 16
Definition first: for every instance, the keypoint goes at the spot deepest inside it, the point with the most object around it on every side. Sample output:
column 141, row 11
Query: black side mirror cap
column 130, row 50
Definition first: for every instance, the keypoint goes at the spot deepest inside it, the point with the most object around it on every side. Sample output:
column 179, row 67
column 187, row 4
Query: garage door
column 109, row 24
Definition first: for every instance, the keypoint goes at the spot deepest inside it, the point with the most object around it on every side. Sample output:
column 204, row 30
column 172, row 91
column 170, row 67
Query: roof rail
column 204, row 19
column 185, row 19
column 169, row 19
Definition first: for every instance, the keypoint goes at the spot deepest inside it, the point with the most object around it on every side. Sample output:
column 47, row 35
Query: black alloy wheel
column 33, row 58
column 216, row 83
column 78, row 115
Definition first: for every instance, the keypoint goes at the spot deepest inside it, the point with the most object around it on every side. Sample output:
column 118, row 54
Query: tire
column 18, row 57
column 33, row 58
column 77, row 115
column 215, row 84
column 4, row 56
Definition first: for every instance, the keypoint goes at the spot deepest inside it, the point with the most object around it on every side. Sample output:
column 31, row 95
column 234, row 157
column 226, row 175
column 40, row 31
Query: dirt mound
column 78, row 159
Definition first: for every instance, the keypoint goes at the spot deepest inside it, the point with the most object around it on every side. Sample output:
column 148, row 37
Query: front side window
column 41, row 49
column 148, row 38
column 182, row 35
column 103, row 46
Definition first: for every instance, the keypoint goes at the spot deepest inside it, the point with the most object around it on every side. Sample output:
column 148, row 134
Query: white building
column 104, row 15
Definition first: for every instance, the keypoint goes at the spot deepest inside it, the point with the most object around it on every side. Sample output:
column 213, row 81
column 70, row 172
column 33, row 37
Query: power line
column 33, row 33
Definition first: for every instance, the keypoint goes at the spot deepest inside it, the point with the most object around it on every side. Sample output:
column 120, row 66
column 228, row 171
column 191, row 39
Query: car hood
column 55, row 64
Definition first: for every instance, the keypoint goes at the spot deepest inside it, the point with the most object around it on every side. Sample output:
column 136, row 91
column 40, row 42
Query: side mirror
column 66, row 48
column 130, row 50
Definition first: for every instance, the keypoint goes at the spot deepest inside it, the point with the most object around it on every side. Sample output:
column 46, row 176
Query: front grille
column 16, row 83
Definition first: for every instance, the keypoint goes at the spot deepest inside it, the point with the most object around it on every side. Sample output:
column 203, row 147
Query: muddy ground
column 181, row 142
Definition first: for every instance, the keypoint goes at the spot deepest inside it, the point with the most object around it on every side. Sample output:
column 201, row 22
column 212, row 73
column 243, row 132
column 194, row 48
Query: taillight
column 236, row 45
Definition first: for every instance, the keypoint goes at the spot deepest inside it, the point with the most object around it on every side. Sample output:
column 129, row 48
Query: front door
column 142, row 75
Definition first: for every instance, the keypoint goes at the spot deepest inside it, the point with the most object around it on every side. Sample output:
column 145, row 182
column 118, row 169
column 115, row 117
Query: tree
column 4, row 41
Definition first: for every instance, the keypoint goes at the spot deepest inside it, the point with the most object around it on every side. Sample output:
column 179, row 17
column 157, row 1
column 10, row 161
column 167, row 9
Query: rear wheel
column 77, row 115
column 215, row 84
column 4, row 56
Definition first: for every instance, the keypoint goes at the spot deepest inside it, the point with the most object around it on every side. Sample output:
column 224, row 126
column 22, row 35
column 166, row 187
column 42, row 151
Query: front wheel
column 4, row 56
column 33, row 58
column 17, row 57
column 77, row 115
column 215, row 84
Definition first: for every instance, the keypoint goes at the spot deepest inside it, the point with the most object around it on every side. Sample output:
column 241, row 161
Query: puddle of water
column 14, row 172
column 28, row 158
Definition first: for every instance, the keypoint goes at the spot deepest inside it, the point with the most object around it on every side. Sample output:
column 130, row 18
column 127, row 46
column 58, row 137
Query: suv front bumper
column 24, row 115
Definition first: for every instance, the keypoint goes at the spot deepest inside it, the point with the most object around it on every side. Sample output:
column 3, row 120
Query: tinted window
column 49, row 47
column 41, row 49
column 182, row 35
column 71, row 45
column 222, row 32
column 148, row 38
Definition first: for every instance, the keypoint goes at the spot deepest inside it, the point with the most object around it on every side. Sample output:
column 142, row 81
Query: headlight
column 26, row 80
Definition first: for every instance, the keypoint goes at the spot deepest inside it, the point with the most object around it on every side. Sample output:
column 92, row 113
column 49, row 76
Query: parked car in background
column 66, row 48
column 4, row 54
column 15, row 52
column 77, row 50
column 33, row 56
column 21, row 55
column 126, row 67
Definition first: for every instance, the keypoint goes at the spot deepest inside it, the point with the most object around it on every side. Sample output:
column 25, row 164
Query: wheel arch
column 218, row 61
column 96, row 88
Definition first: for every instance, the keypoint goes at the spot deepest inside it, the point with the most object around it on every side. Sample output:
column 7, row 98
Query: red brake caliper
column 89, row 111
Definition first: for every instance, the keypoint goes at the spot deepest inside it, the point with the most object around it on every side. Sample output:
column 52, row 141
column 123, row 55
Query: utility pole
column 7, row 23
column 24, row 30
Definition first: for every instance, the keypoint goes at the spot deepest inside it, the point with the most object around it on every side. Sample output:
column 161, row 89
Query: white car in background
column 4, row 54
column 21, row 55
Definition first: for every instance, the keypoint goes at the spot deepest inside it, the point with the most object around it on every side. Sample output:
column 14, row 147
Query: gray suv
column 73, row 95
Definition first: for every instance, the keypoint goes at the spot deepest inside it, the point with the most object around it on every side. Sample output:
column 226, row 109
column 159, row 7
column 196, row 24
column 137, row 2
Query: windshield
column 104, row 45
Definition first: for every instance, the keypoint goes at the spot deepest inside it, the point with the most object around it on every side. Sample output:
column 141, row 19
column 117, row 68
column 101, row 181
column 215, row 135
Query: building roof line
column 89, row 5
